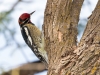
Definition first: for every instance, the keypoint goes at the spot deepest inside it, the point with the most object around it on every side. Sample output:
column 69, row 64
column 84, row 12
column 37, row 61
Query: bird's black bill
column 32, row 12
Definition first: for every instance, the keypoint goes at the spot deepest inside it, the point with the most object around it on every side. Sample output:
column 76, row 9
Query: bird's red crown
column 24, row 16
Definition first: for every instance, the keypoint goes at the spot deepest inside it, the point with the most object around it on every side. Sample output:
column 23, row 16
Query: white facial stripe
column 26, row 31
column 29, row 38
column 26, row 20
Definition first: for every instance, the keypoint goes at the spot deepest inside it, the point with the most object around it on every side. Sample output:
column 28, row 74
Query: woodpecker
column 33, row 37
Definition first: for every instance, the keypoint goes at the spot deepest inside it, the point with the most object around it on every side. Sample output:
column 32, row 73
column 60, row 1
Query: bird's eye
column 23, row 21
column 20, row 20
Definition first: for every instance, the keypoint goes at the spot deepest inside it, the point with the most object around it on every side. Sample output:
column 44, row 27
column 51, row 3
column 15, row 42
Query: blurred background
column 13, row 50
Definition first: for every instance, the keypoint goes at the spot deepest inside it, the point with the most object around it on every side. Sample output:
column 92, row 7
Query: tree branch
column 27, row 69
column 75, row 11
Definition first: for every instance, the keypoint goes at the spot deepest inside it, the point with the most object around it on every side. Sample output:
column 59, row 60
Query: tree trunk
column 60, row 31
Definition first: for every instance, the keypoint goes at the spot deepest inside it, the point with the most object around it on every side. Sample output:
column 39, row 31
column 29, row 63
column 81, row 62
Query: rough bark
column 60, row 31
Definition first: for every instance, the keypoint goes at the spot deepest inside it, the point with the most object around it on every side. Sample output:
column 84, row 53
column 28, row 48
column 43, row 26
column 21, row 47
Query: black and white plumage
column 33, row 37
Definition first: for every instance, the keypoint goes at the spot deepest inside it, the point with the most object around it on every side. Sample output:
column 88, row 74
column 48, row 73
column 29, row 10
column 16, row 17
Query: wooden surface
column 60, row 31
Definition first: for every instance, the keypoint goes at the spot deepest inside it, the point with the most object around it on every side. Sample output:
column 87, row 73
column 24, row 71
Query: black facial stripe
column 26, row 37
column 24, row 21
column 24, row 34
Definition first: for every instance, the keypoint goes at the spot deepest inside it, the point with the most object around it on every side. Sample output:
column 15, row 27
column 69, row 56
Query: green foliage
column 4, row 19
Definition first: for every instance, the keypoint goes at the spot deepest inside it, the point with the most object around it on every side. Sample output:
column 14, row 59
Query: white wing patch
column 27, row 33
